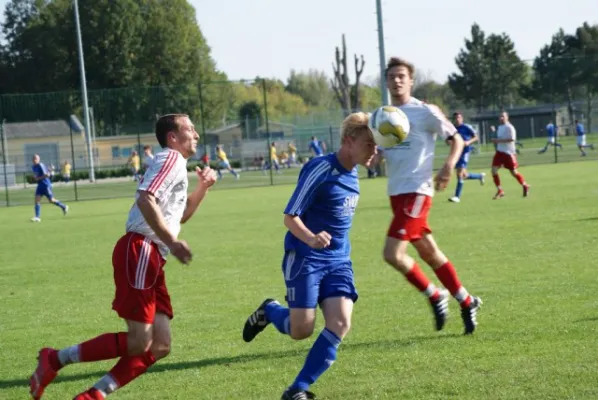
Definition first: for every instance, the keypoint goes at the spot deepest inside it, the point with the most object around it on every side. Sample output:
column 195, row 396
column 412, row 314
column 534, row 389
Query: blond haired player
column 316, row 266
column 410, row 187
column 141, row 299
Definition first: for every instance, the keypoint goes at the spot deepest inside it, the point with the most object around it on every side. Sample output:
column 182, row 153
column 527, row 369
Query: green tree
column 312, row 87
column 165, row 71
column 250, row 115
column 507, row 71
column 584, row 48
column 554, row 72
column 471, row 84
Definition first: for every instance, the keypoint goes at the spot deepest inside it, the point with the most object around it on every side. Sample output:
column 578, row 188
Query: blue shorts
column 310, row 281
column 43, row 190
column 463, row 161
column 224, row 164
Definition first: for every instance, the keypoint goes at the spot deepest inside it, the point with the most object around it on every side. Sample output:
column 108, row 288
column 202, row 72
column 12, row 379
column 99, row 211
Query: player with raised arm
column 44, row 188
column 551, row 131
column 581, row 138
column 409, row 168
column 316, row 267
column 141, row 297
column 506, row 136
column 469, row 136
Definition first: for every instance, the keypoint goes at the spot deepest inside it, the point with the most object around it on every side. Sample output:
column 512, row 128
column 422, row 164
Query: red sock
column 104, row 347
column 130, row 367
column 520, row 178
column 418, row 279
column 448, row 276
column 496, row 179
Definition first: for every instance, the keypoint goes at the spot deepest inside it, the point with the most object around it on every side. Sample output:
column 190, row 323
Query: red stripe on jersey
column 163, row 173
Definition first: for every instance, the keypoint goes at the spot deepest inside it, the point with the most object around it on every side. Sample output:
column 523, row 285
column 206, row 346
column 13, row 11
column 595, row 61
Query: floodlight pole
column 92, row 177
column 383, row 88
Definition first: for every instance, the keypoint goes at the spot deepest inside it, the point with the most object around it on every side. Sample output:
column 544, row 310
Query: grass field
column 531, row 260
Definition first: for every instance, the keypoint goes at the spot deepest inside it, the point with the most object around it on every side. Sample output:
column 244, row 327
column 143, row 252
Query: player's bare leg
column 395, row 254
column 499, row 192
column 337, row 314
column 428, row 250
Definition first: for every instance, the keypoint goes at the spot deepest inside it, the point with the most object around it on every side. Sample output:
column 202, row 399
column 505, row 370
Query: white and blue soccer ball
column 389, row 125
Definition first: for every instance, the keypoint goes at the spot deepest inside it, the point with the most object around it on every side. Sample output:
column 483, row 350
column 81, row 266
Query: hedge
column 118, row 172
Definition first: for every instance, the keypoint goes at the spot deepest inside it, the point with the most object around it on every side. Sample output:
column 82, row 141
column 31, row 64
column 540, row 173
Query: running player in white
column 410, row 187
column 506, row 137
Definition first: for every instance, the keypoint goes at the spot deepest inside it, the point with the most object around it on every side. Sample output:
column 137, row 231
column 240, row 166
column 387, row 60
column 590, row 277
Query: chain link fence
column 264, row 143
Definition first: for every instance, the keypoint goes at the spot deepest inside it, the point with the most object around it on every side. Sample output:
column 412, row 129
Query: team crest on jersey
column 349, row 205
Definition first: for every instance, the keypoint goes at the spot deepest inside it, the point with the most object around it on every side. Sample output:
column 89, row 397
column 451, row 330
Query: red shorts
column 139, row 279
column 509, row 161
column 410, row 220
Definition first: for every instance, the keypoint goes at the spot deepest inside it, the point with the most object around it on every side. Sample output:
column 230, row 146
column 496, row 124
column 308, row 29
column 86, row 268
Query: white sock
column 106, row 385
column 69, row 355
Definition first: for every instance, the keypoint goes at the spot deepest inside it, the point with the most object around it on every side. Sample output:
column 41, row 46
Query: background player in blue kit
column 316, row 266
column 469, row 137
column 315, row 146
column 551, row 132
column 581, row 138
column 44, row 188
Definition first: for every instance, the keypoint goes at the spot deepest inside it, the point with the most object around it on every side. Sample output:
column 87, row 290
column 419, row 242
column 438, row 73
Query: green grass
column 531, row 260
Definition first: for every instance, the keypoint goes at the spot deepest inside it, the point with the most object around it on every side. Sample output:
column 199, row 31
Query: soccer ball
column 389, row 125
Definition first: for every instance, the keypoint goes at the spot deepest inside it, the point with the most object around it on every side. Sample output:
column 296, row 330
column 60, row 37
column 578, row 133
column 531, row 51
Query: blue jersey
column 467, row 133
column 551, row 130
column 579, row 129
column 325, row 199
column 315, row 146
column 40, row 170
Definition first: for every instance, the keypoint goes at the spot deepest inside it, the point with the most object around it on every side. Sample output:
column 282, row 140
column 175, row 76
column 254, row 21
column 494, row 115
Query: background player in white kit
column 409, row 169
column 141, row 297
column 506, row 136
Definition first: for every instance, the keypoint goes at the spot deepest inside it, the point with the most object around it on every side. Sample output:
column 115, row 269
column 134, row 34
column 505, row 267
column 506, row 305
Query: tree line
column 145, row 57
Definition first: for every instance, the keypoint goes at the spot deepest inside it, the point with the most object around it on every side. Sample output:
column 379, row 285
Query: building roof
column 37, row 129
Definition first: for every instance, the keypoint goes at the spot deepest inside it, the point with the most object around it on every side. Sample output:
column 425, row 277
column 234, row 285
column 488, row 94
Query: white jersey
column 506, row 131
column 167, row 180
column 148, row 161
column 410, row 164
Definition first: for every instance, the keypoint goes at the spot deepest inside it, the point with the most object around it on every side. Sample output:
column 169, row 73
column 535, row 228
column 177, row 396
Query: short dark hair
column 456, row 113
column 166, row 124
column 399, row 62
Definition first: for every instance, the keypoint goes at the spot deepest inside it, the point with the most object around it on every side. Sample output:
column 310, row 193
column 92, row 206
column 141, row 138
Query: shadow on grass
column 240, row 359
column 587, row 219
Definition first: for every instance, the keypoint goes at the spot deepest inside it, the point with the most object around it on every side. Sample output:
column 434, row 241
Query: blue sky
column 270, row 37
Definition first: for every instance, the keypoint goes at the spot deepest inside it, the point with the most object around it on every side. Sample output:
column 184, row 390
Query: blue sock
column 38, row 210
column 219, row 174
column 320, row 358
column 279, row 317
column 459, row 188
column 473, row 175
column 59, row 204
column 232, row 171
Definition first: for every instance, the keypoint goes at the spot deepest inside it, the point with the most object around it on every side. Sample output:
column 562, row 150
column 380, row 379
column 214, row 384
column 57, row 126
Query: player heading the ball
column 411, row 187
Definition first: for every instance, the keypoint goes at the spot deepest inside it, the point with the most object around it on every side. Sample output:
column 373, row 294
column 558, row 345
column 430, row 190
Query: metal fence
column 122, row 124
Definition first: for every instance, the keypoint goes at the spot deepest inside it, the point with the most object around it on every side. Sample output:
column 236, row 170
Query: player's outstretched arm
column 206, row 178
column 296, row 226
